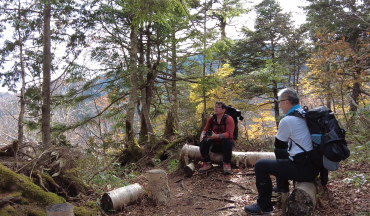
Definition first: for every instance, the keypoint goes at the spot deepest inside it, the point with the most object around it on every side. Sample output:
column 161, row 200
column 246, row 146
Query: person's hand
column 201, row 137
column 214, row 136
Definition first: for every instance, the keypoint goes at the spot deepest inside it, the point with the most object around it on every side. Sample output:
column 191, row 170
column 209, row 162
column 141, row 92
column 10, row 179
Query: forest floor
column 347, row 193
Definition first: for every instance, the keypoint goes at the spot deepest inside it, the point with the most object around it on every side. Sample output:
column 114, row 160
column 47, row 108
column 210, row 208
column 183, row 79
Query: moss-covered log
column 11, row 181
column 170, row 145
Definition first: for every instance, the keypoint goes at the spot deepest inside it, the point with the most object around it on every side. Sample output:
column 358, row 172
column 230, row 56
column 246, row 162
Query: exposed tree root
column 8, row 200
column 41, row 183
column 170, row 145
column 57, row 187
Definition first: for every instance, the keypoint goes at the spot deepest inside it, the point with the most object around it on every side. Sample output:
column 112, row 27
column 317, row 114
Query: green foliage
column 35, row 212
column 114, row 176
column 8, row 211
column 81, row 211
column 172, row 165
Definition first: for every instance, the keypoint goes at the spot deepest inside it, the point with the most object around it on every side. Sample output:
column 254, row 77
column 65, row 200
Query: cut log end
column 189, row 170
column 106, row 201
column 158, row 189
column 302, row 200
column 119, row 198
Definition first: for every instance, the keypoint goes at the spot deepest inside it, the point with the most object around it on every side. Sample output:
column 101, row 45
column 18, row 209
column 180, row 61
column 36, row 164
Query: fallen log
column 119, row 198
column 191, row 152
column 6, row 147
column 11, row 181
column 302, row 200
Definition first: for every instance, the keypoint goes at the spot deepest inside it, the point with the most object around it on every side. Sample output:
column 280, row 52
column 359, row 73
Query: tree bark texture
column 23, row 87
column 158, row 189
column 192, row 153
column 356, row 89
column 119, row 198
column 46, row 138
column 171, row 120
column 302, row 200
column 143, row 134
column 62, row 209
column 133, row 146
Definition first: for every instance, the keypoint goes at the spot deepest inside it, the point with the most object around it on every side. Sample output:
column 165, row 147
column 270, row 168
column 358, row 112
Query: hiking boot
column 255, row 209
column 227, row 168
column 205, row 167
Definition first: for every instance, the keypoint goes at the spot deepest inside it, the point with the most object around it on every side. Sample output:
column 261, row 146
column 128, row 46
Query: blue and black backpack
column 328, row 139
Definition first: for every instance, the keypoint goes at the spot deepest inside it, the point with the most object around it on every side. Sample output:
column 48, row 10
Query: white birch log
column 158, row 189
column 191, row 152
column 119, row 198
column 302, row 200
column 62, row 209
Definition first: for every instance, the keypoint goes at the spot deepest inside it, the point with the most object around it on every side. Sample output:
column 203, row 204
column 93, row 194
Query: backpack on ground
column 328, row 139
column 235, row 114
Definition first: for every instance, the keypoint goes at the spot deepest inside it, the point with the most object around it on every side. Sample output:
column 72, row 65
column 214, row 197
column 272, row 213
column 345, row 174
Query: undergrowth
column 103, row 176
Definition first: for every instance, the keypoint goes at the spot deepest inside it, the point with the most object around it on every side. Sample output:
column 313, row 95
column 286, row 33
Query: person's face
column 218, row 109
column 285, row 104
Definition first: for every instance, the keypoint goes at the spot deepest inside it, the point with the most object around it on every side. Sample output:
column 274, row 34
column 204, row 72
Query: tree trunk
column 119, row 198
column 132, row 145
column 143, row 134
column 302, row 200
column 356, row 89
column 146, row 86
column 46, row 138
column 158, row 189
column 171, row 120
column 62, row 209
column 23, row 87
column 192, row 153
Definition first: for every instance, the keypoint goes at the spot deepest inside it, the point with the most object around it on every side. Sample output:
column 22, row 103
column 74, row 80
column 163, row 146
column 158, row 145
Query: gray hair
column 289, row 94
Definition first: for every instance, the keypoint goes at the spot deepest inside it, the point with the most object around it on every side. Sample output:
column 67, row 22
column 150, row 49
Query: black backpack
column 235, row 114
column 328, row 139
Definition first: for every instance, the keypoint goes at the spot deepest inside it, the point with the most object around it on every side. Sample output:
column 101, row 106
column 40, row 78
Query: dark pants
column 207, row 146
column 282, row 184
column 281, row 168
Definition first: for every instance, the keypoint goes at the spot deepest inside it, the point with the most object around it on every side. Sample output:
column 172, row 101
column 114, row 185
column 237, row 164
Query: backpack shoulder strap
column 296, row 114
column 213, row 119
column 224, row 119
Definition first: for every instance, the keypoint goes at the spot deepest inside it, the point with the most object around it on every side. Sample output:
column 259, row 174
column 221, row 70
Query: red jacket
column 220, row 128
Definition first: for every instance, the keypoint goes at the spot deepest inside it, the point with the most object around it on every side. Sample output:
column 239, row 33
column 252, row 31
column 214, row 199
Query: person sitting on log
column 217, row 136
column 298, row 166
